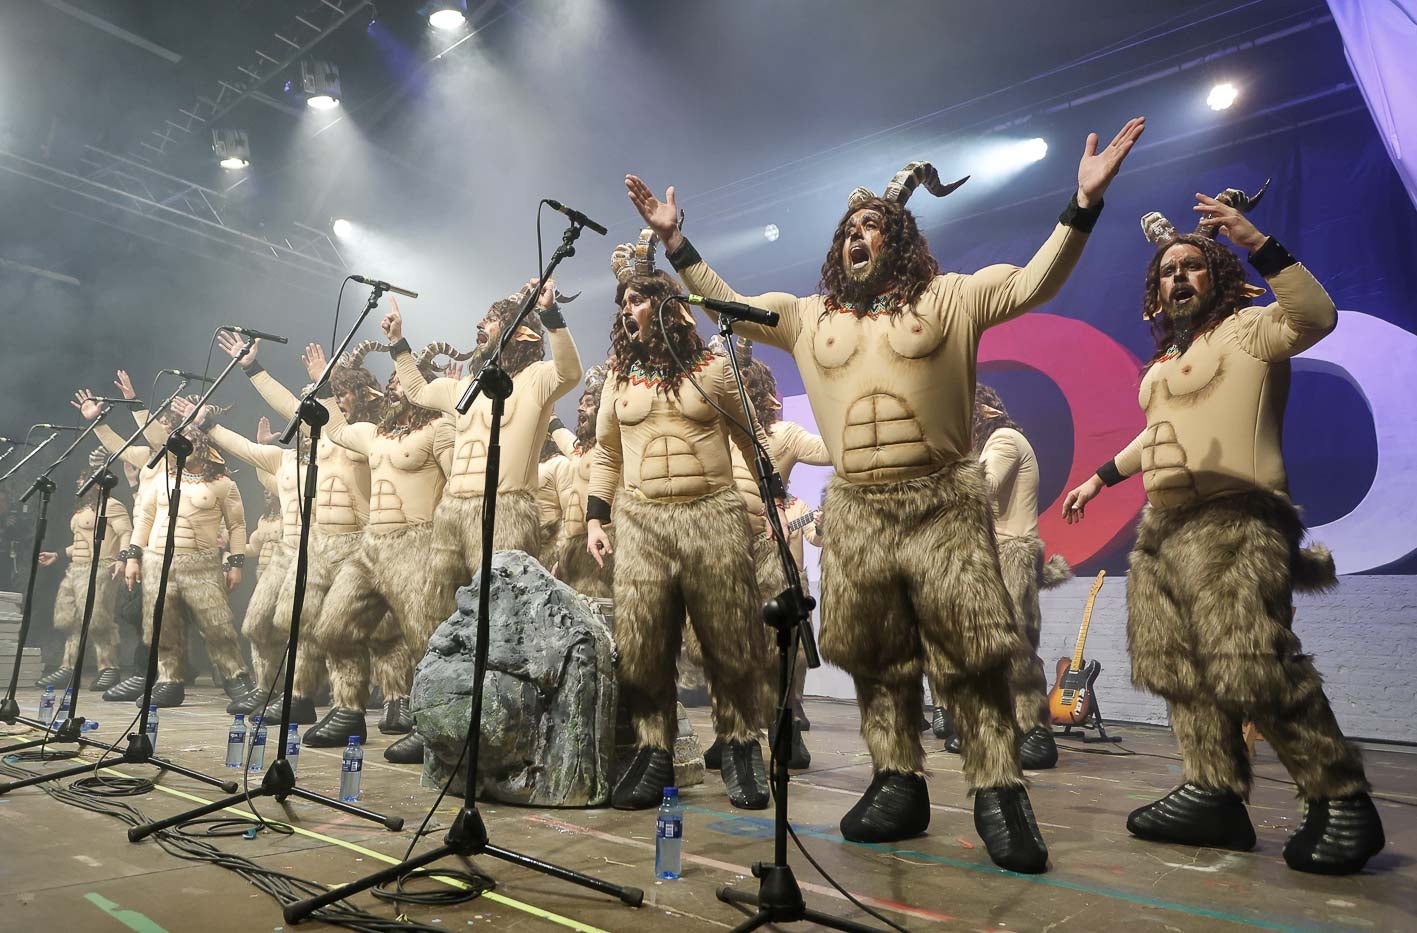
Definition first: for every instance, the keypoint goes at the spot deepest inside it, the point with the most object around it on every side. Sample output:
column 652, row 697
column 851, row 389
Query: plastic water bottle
column 152, row 727
column 46, row 706
column 351, row 771
column 669, row 836
column 236, row 741
column 292, row 745
column 258, row 743
column 90, row 725
column 62, row 715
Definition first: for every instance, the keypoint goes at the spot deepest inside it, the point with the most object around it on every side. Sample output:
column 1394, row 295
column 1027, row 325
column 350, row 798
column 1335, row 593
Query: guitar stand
column 1093, row 720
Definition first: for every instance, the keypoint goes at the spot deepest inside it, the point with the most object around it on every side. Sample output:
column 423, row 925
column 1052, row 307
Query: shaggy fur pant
column 387, row 575
column 457, row 536
column 1209, row 628
column 550, row 539
column 268, row 643
column 911, row 582
column 578, row 570
column 690, row 557
column 327, row 554
column 196, row 597
column 69, row 613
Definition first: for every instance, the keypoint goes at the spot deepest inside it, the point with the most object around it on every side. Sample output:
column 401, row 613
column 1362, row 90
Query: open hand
column 124, row 384
column 661, row 216
column 87, row 406
column 1097, row 169
column 233, row 578
column 264, row 434
column 314, row 359
column 231, row 345
column 1230, row 222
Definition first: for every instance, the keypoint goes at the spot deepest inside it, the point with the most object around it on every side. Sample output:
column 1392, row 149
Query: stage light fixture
column 342, row 227
column 319, row 81
column 1222, row 96
column 232, row 148
column 446, row 14
column 771, row 233
column 1034, row 150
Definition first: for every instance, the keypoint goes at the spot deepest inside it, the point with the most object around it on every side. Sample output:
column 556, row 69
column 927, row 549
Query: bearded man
column 574, row 565
column 910, row 576
column 1218, row 557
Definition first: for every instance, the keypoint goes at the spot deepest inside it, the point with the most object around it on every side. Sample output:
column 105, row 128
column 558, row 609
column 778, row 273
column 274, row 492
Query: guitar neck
column 1086, row 621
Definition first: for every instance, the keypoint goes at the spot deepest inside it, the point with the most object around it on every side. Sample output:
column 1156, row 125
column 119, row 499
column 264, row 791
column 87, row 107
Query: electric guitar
column 796, row 524
column 1071, row 700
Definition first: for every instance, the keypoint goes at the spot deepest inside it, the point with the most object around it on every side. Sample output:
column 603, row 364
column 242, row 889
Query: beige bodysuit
column 788, row 444
column 405, row 480
column 1214, row 414
column 205, row 508
column 1011, row 470
column 524, row 421
column 281, row 464
column 548, row 489
column 81, row 525
column 894, row 395
column 668, row 449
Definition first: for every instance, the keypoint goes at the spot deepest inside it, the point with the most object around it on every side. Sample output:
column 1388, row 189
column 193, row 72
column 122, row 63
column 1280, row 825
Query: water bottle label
column 669, row 829
column 352, row 766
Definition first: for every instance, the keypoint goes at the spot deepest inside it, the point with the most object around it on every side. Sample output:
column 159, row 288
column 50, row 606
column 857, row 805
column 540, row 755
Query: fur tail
column 1057, row 571
column 1313, row 570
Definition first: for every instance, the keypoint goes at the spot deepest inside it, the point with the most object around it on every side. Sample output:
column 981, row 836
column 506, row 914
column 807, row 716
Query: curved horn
column 1242, row 202
column 634, row 258
column 859, row 196
column 428, row 354
column 354, row 357
column 915, row 174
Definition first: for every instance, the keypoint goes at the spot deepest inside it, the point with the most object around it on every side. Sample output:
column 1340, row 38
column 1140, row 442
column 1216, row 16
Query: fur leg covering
column 1210, row 611
column 678, row 557
column 327, row 553
column 418, row 599
column 353, row 609
column 259, row 624
column 196, row 597
column 1021, row 562
column 578, row 570
column 457, row 535
column 550, row 543
column 69, row 614
column 392, row 660
column 1212, row 746
column 911, row 582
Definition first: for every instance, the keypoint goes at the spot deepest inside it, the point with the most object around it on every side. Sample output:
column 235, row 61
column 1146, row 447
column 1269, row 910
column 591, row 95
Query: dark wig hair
column 403, row 413
column 762, row 392
column 909, row 267
column 670, row 351
column 360, row 381
column 986, row 424
column 520, row 353
column 1227, row 281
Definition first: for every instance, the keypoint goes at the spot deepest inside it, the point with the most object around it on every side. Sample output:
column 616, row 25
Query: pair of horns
column 634, row 258
column 903, row 185
column 1157, row 229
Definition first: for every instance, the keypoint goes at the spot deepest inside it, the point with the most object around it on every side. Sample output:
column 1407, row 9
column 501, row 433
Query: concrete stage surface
column 62, row 868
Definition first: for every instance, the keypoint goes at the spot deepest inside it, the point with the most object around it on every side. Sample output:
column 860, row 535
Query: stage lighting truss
column 319, row 81
column 232, row 148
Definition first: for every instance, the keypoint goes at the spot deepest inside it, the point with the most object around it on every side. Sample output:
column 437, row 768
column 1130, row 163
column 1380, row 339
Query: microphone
column 735, row 309
column 130, row 402
column 249, row 332
column 11, row 440
column 58, row 427
column 383, row 286
column 576, row 216
column 190, row 377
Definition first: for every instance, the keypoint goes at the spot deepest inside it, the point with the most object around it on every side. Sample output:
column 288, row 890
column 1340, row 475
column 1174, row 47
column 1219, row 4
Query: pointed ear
column 525, row 333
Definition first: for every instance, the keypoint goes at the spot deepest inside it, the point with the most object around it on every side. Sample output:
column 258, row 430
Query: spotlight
column 1222, row 96
column 342, row 227
column 1034, row 150
column 319, row 81
column 232, row 148
column 446, row 14
column 771, row 233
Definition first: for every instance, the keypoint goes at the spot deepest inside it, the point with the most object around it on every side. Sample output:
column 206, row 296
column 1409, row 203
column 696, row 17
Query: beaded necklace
column 884, row 302
column 655, row 377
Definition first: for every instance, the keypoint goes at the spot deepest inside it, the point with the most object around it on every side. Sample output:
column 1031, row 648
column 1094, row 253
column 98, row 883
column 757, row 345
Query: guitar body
column 1071, row 699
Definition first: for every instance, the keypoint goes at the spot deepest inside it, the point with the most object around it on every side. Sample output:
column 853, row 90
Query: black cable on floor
column 477, row 885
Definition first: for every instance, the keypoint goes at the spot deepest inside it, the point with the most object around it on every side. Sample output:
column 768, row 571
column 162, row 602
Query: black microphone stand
column 9, row 709
column 139, row 750
column 468, row 834
column 279, row 780
column 779, row 898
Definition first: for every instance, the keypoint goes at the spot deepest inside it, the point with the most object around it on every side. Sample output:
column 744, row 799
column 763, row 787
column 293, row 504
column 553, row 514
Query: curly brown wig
column 986, row 424
column 762, row 392
column 669, row 346
column 1227, row 295
column 396, row 416
column 361, row 382
column 907, row 265
column 585, row 421
column 519, row 353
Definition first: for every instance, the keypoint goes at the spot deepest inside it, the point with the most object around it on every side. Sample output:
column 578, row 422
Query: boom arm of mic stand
column 197, row 408
column 288, row 434
column 27, row 458
column 132, row 438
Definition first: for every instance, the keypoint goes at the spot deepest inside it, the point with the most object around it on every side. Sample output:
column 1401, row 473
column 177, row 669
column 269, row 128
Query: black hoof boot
column 1337, row 837
column 126, row 690
column 1003, row 818
column 799, row 713
column 798, row 757
column 108, row 677
column 239, row 686
column 1192, row 815
column 56, row 678
column 302, row 710
column 642, row 785
column 745, row 776
column 1037, row 751
column 896, row 806
column 952, row 744
column 335, row 729
column 406, row 751
column 247, row 703
column 713, row 756
column 398, row 717
column 166, row 693
column 942, row 724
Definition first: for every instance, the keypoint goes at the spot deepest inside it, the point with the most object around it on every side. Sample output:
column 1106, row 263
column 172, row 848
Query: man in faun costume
column 910, row 575
column 1218, row 557
column 574, row 564
column 667, row 412
column 549, row 509
column 340, row 515
column 1011, row 472
column 74, row 587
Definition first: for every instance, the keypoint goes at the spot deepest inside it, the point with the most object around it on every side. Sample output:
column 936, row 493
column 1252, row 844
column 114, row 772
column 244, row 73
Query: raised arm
column 565, row 371
column 264, row 457
column 89, row 409
column 441, row 394
column 356, row 437
column 663, row 218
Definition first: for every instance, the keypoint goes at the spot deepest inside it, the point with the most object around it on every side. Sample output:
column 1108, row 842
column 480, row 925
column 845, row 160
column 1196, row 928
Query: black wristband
column 1271, row 258
column 596, row 509
column 131, row 552
column 683, row 257
column 1081, row 219
column 400, row 346
column 252, row 368
column 555, row 424
column 552, row 318
column 235, row 560
column 1109, row 474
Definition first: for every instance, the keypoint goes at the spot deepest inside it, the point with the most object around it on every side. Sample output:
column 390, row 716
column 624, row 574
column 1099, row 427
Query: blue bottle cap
column 240, row 717
column 672, row 792
column 152, row 708
column 258, row 720
column 354, row 740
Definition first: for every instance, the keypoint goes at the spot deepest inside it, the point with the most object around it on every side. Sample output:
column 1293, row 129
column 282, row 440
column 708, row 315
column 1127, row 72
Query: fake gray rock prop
column 548, row 710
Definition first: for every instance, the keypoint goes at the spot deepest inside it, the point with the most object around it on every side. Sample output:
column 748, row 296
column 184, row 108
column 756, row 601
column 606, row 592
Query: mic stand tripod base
column 138, row 752
column 9, row 711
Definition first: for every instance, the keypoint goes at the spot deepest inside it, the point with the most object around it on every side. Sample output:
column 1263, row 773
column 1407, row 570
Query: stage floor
column 63, row 868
